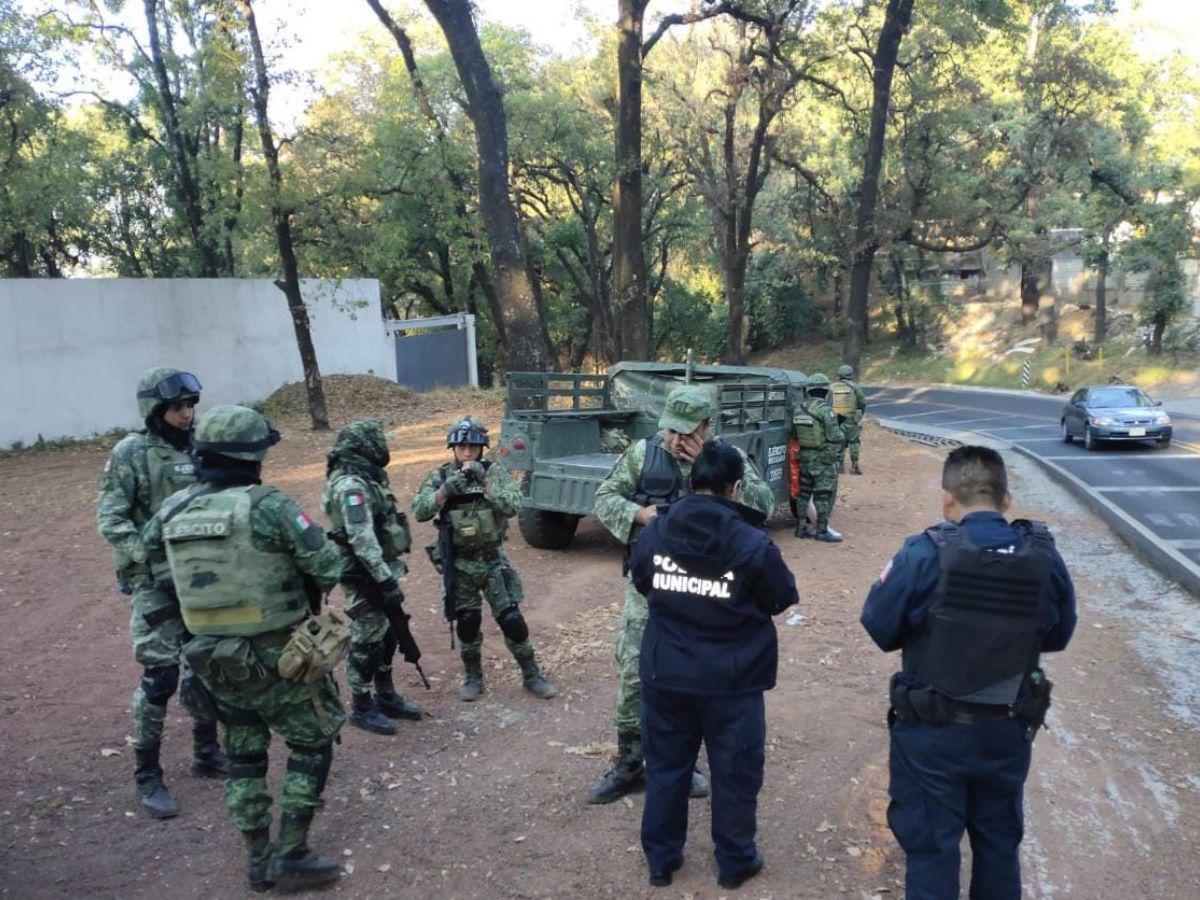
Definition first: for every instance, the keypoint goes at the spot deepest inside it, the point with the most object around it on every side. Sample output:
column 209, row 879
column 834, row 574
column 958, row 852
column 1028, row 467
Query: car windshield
column 1112, row 398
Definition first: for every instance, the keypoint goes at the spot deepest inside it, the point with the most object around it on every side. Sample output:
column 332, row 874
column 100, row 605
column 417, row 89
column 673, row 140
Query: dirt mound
column 346, row 397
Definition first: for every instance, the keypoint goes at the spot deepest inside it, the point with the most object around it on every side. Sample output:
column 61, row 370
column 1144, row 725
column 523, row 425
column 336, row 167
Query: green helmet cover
column 234, row 431
column 818, row 379
column 365, row 439
column 845, row 372
column 148, row 396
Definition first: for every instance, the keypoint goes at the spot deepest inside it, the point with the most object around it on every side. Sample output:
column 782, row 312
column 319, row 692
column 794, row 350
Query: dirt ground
column 485, row 800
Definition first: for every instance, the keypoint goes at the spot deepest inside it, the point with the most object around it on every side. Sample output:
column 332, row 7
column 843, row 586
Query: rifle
column 355, row 575
column 441, row 554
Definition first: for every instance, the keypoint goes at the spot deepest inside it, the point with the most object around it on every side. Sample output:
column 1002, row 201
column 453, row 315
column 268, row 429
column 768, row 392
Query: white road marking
column 1146, row 489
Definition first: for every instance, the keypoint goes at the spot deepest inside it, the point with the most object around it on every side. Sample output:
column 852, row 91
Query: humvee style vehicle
column 562, row 432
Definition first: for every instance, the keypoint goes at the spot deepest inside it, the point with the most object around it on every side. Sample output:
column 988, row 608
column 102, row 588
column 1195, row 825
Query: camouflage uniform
column 482, row 571
column 852, row 423
column 616, row 509
column 141, row 472
column 818, row 467
column 362, row 507
column 283, row 564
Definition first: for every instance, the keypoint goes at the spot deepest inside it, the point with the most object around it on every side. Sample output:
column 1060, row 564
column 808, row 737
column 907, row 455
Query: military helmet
column 468, row 430
column 234, row 431
column 845, row 371
column 162, row 384
column 366, row 439
column 818, row 379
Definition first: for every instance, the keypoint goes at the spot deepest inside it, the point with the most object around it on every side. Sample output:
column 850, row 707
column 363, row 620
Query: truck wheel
column 546, row 529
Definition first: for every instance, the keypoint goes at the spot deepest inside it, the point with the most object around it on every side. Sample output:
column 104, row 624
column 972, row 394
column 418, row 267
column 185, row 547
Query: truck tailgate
column 568, row 483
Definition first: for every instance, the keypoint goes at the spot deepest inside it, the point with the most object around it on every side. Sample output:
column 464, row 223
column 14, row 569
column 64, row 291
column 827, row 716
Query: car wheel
column 1089, row 440
column 1066, row 432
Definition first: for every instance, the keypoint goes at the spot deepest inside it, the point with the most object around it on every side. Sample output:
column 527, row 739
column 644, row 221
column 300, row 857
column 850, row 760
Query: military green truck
column 562, row 432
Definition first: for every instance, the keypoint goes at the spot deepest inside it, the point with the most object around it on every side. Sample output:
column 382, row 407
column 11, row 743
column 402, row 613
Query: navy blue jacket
column 713, row 580
column 898, row 601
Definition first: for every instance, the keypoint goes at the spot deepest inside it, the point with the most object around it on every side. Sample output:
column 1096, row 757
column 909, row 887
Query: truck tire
column 546, row 529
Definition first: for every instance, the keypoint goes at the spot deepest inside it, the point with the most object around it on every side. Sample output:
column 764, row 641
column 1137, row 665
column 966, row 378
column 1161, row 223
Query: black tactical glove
column 391, row 593
column 475, row 471
column 456, row 485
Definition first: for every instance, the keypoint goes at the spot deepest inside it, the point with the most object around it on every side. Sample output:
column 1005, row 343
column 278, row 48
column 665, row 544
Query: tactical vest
column 169, row 470
column 226, row 585
column 390, row 523
column 808, row 429
column 474, row 525
column 843, row 399
column 660, row 482
column 983, row 631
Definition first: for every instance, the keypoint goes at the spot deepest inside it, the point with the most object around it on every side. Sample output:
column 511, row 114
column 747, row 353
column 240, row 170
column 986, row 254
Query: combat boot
column 854, row 469
column 151, row 792
column 826, row 536
column 392, row 704
column 700, row 788
column 294, row 866
column 802, row 531
column 627, row 773
column 535, row 681
column 258, row 858
column 365, row 714
column 472, row 685
column 208, row 760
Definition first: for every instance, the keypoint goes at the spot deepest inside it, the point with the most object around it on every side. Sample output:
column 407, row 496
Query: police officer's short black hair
column 975, row 475
column 717, row 468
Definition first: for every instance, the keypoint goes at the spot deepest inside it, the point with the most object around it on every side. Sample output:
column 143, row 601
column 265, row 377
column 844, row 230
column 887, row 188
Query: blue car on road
column 1114, row 412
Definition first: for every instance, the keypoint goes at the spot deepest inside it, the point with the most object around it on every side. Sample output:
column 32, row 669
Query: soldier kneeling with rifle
column 374, row 534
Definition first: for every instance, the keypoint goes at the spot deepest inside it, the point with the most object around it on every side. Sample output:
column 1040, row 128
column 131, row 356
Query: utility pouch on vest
column 235, row 664
column 474, row 526
column 315, row 648
column 810, row 433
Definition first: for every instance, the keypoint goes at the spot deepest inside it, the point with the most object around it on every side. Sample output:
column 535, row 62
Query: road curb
column 1167, row 560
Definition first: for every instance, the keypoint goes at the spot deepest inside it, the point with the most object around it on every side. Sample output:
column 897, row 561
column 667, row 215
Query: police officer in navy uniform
column 712, row 579
column 971, row 604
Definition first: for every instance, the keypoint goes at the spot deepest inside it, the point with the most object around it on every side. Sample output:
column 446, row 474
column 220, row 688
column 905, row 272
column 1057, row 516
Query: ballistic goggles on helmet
column 173, row 387
column 467, row 432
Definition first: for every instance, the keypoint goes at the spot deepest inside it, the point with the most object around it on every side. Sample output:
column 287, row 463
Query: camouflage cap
column 686, row 408
column 365, row 439
column 234, row 431
column 845, row 371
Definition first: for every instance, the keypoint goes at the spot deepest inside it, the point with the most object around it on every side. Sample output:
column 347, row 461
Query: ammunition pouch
column 164, row 613
column 474, row 527
column 315, row 648
column 229, row 662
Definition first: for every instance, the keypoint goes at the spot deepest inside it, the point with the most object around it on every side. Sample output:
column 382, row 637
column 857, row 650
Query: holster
column 315, row 648
column 1031, row 710
column 918, row 705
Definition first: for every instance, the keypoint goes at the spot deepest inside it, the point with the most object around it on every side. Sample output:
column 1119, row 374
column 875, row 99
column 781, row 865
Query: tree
column 896, row 21
column 281, row 215
column 523, row 326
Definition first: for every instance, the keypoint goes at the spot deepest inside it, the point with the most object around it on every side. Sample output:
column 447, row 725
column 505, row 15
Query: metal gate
column 435, row 352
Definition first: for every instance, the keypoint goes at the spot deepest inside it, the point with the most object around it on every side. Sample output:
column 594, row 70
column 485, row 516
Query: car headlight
column 1162, row 418
column 1103, row 420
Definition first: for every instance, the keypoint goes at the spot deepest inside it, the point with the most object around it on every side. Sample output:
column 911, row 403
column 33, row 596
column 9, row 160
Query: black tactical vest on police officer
column 660, row 482
column 983, row 630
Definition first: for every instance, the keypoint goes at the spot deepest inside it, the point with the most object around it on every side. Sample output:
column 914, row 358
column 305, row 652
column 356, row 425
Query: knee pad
column 159, row 683
column 366, row 658
column 248, row 765
column 314, row 761
column 468, row 624
column 512, row 623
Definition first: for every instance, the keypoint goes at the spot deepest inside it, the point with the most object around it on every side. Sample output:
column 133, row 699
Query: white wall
column 71, row 349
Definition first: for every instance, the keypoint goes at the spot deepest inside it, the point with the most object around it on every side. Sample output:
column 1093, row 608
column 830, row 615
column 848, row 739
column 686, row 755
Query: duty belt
column 963, row 712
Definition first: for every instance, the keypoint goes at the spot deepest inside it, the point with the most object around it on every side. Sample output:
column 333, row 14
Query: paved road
column 1152, row 495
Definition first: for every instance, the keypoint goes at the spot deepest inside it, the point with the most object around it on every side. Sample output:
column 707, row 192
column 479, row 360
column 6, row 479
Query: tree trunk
column 526, row 348
column 1156, row 338
column 182, row 161
column 1101, row 322
column 629, row 262
column 282, row 218
column 896, row 21
column 1031, row 292
column 735, row 296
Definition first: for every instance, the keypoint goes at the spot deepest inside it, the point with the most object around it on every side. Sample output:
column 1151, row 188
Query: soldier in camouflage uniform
column 820, row 438
column 649, row 474
column 144, row 469
column 249, row 566
column 473, row 500
column 851, row 423
column 362, row 508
